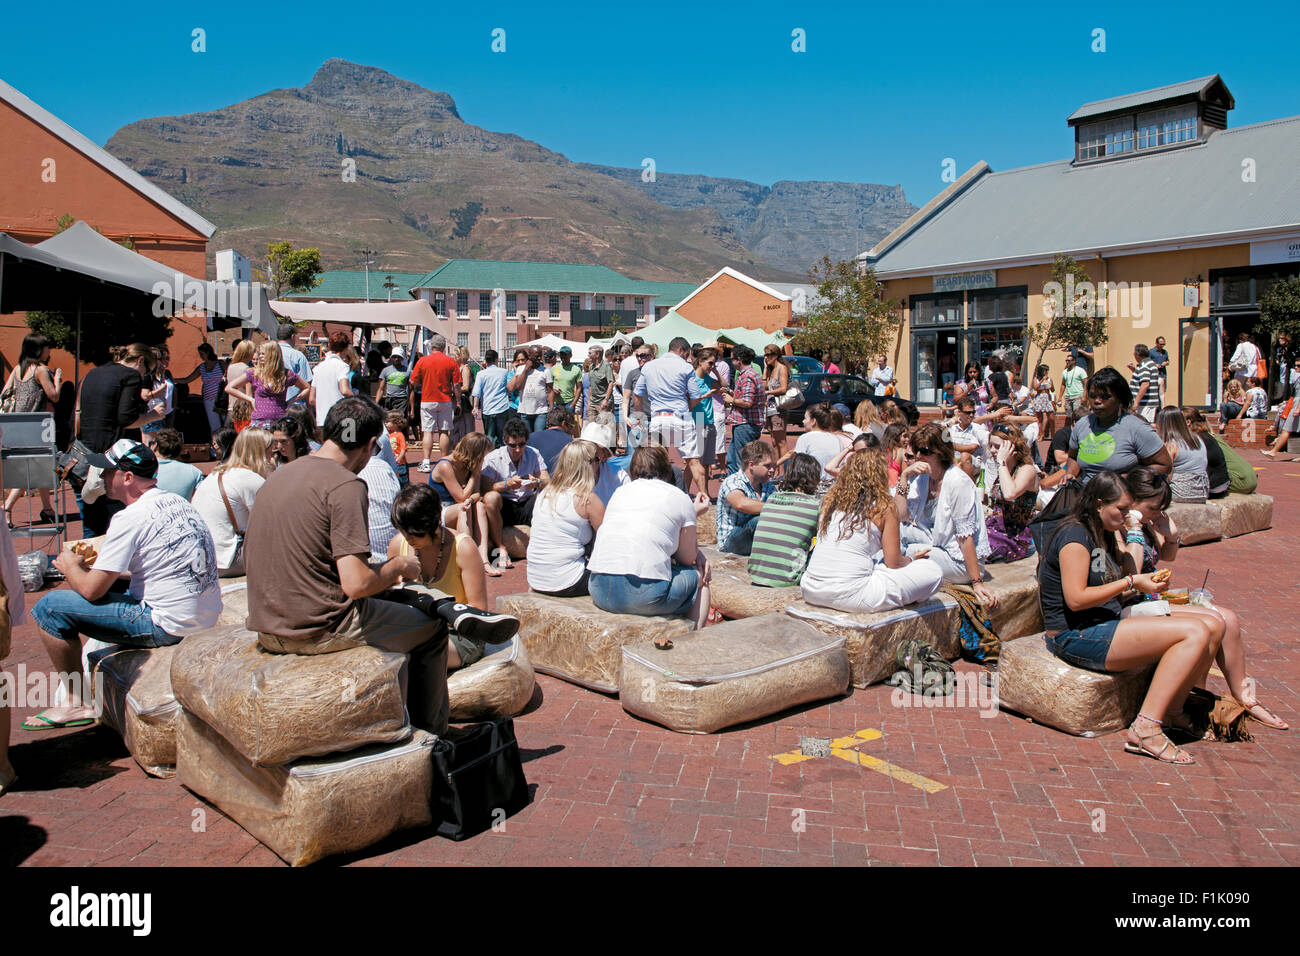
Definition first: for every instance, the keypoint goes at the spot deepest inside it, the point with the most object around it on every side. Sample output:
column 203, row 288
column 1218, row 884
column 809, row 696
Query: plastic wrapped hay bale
column 1243, row 514
column 732, row 593
column 500, row 684
column 234, row 602
column 275, row 708
column 574, row 640
column 138, row 703
column 1015, row 584
column 873, row 637
column 312, row 808
column 1198, row 522
column 706, row 527
column 732, row 673
column 1035, row 682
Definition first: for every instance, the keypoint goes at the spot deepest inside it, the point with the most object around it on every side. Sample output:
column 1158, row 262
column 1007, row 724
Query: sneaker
column 425, row 467
column 481, row 627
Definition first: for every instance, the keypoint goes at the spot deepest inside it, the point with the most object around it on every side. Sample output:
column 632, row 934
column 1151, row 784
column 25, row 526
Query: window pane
column 618, row 301
column 484, row 303
column 512, row 303
column 484, row 343
column 462, row 340
column 553, row 305
column 512, row 339
column 982, row 307
column 1012, row 305
column 532, row 306
column 600, row 302
column 575, row 303
column 1236, row 290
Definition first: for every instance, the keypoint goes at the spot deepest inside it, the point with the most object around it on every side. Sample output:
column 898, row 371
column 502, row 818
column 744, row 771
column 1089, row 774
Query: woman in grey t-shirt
column 1111, row 438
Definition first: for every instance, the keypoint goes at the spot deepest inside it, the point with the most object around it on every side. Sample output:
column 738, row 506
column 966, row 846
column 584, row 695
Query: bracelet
column 1134, row 537
column 1130, row 583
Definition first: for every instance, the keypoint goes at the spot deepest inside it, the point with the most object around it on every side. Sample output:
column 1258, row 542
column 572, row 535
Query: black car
column 847, row 390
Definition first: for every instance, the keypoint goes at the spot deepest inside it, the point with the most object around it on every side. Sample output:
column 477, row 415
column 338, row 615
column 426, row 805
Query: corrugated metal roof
column 351, row 284
column 535, row 277
column 1184, row 194
column 1143, row 98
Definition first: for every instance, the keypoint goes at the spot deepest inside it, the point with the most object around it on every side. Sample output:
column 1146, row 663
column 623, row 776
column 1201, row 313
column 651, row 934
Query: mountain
column 428, row 186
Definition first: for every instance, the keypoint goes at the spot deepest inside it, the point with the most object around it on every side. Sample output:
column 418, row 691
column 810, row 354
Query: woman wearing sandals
column 1154, row 537
column 1082, row 579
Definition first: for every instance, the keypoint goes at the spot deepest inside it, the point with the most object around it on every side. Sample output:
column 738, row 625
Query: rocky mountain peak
column 357, row 88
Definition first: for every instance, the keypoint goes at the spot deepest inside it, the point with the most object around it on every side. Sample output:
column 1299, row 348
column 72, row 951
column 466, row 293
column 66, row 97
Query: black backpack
column 1045, row 524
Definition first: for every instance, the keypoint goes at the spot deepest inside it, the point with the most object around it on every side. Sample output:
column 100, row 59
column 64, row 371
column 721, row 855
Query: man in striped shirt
column 1145, row 384
column 787, row 526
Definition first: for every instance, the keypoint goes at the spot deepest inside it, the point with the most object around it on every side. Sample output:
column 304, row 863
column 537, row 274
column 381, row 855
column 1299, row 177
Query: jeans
column 116, row 618
column 741, row 539
column 96, row 515
column 493, row 425
column 1228, row 410
column 629, row 594
column 741, row 436
column 535, row 422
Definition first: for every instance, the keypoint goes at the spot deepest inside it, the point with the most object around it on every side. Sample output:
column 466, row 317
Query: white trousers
column 884, row 589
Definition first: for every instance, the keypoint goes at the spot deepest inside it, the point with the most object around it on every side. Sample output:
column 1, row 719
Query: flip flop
column 491, row 570
column 48, row 724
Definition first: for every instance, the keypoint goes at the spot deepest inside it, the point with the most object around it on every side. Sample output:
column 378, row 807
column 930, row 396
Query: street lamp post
column 368, row 256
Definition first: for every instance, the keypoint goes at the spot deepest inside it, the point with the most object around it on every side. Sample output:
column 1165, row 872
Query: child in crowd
column 1043, row 407
column 395, row 423
column 892, row 445
column 948, row 400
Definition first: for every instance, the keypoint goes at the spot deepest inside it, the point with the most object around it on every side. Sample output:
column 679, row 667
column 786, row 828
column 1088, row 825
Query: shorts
column 629, row 594
column 515, row 513
column 1085, row 648
column 393, row 404
column 680, row 433
column 436, row 416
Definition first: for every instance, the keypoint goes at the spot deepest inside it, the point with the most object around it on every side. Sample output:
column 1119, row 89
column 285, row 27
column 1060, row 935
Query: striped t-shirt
column 1149, row 373
column 783, row 539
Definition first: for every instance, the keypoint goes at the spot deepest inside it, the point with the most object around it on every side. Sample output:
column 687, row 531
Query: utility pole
column 390, row 285
column 367, row 257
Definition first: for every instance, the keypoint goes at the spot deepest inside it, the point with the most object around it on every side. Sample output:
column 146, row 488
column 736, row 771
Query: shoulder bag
column 478, row 778
column 9, row 397
column 239, row 535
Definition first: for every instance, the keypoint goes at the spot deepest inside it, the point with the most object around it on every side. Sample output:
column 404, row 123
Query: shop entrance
column 936, row 358
column 1199, row 362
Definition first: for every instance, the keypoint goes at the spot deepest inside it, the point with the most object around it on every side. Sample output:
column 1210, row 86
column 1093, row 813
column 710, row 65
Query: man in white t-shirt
column 664, row 392
column 512, row 476
column 331, row 377
column 162, row 542
column 966, row 434
column 882, row 376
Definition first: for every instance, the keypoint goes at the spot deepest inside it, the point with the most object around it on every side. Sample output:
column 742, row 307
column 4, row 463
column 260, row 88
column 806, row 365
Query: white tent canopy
column 81, row 248
column 416, row 312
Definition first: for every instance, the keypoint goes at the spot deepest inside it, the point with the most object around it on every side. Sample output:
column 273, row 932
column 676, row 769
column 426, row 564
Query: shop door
column 1198, row 362
column 925, row 368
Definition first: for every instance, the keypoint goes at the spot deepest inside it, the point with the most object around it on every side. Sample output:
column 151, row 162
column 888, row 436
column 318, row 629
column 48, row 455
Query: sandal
column 1269, row 719
column 491, row 570
column 1142, row 749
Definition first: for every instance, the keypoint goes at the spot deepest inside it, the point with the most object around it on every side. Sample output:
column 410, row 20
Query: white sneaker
column 425, row 466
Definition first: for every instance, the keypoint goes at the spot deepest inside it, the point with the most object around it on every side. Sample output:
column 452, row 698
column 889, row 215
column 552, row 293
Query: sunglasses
column 642, row 355
column 516, row 444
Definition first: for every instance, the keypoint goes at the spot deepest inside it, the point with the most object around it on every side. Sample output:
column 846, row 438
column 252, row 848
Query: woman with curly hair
column 1013, row 496
column 458, row 481
column 858, row 564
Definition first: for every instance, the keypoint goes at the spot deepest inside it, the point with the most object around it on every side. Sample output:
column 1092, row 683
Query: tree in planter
column 1076, row 314
column 850, row 314
column 291, row 270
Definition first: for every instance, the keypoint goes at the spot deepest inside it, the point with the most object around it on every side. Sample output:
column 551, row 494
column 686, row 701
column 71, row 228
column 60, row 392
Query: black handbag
column 478, row 778
column 73, row 465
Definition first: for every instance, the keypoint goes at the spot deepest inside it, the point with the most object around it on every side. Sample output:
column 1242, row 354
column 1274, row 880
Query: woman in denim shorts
column 1082, row 578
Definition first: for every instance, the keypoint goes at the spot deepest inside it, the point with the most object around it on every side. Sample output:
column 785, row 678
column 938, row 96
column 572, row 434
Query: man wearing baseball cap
column 395, row 382
column 163, row 543
column 568, row 379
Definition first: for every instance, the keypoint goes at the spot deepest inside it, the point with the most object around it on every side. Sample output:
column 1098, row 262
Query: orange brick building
column 48, row 169
column 731, row 300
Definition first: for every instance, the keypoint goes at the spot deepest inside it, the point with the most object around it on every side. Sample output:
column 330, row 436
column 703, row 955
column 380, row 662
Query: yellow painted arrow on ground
column 844, row 748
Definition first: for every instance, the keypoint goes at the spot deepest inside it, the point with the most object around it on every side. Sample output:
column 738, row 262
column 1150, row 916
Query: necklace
column 439, row 568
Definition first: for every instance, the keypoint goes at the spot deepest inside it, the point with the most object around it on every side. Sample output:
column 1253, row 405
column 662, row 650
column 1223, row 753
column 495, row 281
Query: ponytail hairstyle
column 1146, row 483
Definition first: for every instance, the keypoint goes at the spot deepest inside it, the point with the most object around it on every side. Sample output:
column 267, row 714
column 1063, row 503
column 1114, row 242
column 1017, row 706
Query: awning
column 79, row 268
column 414, row 312
column 675, row 324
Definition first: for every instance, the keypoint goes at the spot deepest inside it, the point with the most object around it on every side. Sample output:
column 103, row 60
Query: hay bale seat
column 572, row 639
column 872, row 637
column 137, row 701
column 732, row 673
column 1035, row 682
column 706, row 527
column 276, row 708
column 1198, row 523
column 1243, row 514
column 234, row 601
column 311, row 808
column 733, row 593
column 499, row 684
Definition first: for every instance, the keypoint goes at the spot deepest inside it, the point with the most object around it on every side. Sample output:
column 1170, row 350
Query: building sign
column 957, row 281
column 1275, row 251
column 1191, row 296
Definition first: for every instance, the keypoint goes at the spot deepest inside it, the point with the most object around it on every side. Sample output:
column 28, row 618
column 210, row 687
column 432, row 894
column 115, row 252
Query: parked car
column 847, row 390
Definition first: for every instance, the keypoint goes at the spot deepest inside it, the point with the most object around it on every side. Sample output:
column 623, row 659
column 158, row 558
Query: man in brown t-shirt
column 311, row 588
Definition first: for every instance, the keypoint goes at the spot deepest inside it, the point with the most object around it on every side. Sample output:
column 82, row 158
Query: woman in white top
column 645, row 560
column 1244, row 363
column 1190, row 479
column 565, row 519
column 819, row 441
column 858, row 564
column 529, row 381
column 232, row 487
column 942, row 500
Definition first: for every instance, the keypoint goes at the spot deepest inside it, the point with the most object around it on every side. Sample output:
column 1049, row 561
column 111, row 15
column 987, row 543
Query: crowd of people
column 311, row 500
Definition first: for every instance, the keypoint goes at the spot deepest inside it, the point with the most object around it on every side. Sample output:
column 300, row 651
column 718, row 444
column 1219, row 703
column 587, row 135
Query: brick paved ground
column 609, row 788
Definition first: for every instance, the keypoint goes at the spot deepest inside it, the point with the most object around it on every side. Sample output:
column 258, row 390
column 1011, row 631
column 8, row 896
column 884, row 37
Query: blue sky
column 882, row 94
